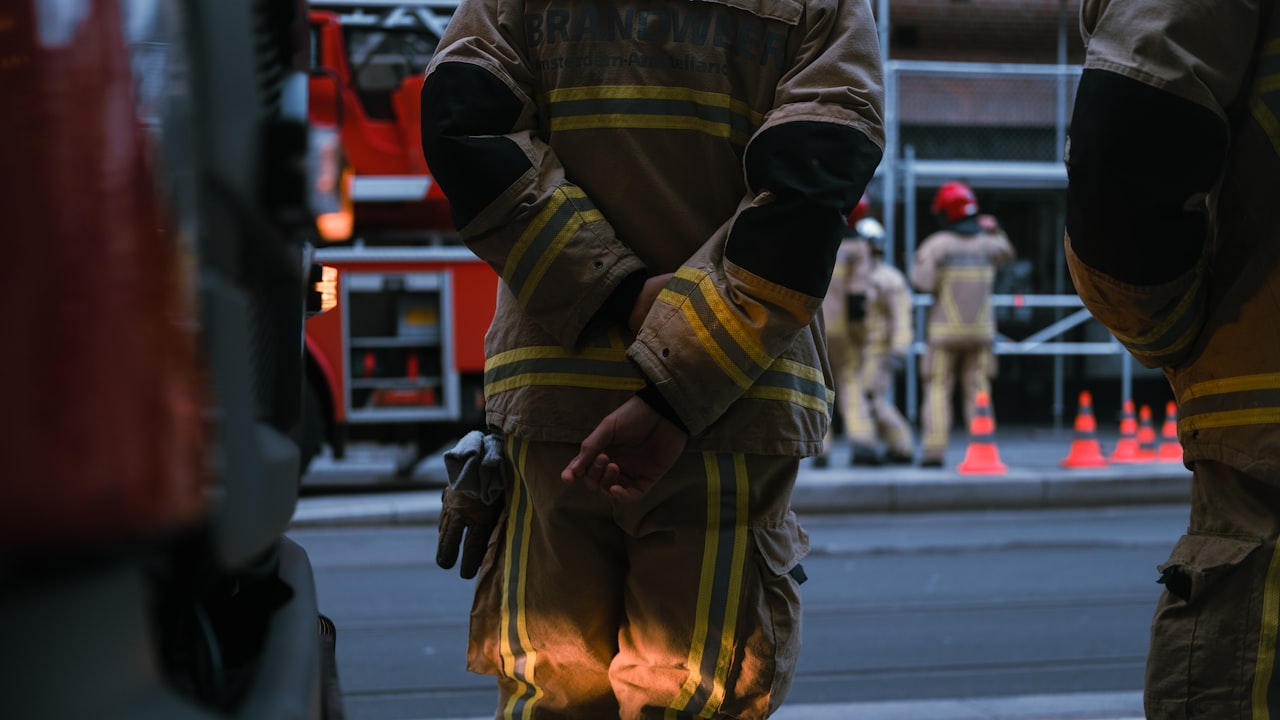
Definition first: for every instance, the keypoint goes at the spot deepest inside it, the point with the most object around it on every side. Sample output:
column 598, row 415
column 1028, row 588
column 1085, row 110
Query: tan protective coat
column 1216, row 333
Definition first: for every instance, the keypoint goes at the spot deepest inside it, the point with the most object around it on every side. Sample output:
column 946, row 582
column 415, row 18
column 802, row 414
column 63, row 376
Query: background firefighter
column 958, row 265
column 663, row 205
column 844, row 314
column 1173, row 241
column 867, row 313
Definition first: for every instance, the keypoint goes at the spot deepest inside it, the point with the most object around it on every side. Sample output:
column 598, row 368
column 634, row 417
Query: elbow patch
column 466, row 111
column 1137, row 155
column 817, row 172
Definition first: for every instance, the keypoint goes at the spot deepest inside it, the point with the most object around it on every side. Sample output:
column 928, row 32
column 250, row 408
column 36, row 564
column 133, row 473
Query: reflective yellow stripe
column 733, row 325
column 728, row 634
column 1228, row 418
column 648, row 122
column 562, row 238
column 1267, row 632
column 531, row 233
column 710, row 545
column 1191, row 296
column 800, row 370
column 1242, row 383
column 556, row 352
column 713, row 349
column 1267, row 119
column 723, row 564
column 637, row 92
column 579, row 380
column 518, row 658
column 757, row 392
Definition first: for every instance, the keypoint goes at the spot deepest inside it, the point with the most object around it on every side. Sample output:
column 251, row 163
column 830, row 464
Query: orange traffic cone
column 1170, row 447
column 1146, row 434
column 1085, row 450
column 982, row 457
column 1127, row 447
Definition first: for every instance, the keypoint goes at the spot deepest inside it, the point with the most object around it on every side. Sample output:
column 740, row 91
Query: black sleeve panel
column 1137, row 154
column 791, row 243
column 465, row 113
column 817, row 172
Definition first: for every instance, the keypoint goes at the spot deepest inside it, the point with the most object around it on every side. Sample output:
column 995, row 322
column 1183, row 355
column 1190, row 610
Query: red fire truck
column 399, row 355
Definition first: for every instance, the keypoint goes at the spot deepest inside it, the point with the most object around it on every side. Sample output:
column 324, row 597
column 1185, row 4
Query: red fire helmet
column 859, row 211
column 955, row 201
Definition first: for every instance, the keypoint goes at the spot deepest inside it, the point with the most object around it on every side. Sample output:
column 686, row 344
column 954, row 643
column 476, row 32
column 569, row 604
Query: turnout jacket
column 960, row 271
column 1212, row 71
column 847, row 293
column 587, row 144
column 889, row 328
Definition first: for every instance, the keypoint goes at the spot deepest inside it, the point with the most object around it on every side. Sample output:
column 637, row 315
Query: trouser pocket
column 769, row 633
column 1205, row 636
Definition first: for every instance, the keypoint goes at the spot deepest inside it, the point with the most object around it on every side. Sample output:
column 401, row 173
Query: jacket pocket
column 1198, row 562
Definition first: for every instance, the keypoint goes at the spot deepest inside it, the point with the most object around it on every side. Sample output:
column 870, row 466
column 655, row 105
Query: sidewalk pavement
column 1076, row 706
column 1035, row 479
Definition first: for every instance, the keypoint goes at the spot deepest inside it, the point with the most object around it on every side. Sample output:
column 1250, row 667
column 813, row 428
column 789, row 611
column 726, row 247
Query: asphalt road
column 901, row 607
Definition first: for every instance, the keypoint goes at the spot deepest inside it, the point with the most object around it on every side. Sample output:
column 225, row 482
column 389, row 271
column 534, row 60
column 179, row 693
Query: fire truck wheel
column 312, row 427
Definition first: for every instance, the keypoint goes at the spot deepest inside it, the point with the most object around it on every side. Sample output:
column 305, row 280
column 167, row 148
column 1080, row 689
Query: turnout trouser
column 1213, row 639
column 975, row 364
column 683, row 605
column 877, row 379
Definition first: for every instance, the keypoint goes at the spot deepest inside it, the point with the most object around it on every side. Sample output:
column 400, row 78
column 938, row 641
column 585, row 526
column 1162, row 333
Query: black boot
column 862, row 455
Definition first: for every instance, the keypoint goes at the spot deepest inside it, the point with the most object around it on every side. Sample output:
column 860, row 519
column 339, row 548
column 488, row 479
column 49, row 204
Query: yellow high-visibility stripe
column 637, row 92
column 514, row 583
column 555, row 352
column 1191, row 296
column 583, row 380
column 766, row 392
column 1267, row 119
column 561, row 239
column 1242, row 383
column 733, row 325
column 531, row 232
column 800, row 370
column 706, row 583
column 647, row 122
column 1228, row 418
column 713, row 349
column 728, row 630
column 1267, row 632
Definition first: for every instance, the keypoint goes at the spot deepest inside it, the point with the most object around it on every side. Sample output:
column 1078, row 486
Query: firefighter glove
column 472, row 501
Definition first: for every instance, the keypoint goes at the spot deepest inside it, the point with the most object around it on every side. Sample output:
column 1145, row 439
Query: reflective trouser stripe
column 518, row 656
column 719, row 590
column 1266, row 682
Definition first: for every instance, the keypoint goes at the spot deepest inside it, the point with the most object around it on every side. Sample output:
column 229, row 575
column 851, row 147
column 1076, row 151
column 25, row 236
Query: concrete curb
column 844, row 491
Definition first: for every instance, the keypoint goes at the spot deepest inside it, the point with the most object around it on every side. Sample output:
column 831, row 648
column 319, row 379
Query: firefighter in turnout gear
column 1173, row 242
column 958, row 265
column 844, row 315
column 662, row 187
column 885, row 346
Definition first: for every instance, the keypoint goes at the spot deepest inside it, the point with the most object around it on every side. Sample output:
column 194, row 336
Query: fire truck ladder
column 430, row 14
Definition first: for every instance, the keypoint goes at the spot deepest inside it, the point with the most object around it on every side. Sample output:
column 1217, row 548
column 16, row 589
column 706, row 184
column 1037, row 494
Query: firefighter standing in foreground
column 867, row 313
column 958, row 265
column 1173, row 241
column 662, row 190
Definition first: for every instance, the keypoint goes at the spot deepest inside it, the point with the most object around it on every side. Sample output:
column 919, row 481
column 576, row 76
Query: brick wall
column 1006, row 31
